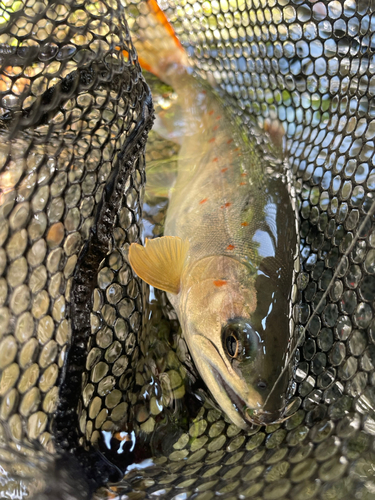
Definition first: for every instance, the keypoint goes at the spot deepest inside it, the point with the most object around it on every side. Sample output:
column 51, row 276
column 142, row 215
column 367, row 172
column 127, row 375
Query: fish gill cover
column 75, row 112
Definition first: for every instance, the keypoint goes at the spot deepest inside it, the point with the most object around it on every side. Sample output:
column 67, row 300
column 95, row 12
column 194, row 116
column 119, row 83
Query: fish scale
column 210, row 194
column 222, row 295
column 254, row 52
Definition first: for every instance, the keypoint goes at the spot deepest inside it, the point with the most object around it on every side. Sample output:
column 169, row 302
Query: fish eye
column 231, row 343
column 239, row 340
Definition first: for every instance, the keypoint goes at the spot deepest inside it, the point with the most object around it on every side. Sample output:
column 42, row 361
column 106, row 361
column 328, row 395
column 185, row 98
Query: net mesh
column 73, row 113
column 74, row 119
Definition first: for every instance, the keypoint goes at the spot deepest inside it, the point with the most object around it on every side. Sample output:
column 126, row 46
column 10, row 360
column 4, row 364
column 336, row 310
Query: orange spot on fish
column 224, row 169
column 204, row 92
column 212, row 140
column 243, row 175
column 211, row 112
column 236, row 149
column 244, row 224
column 220, row 282
column 215, row 159
column 215, row 127
column 122, row 436
column 230, row 247
column 243, row 183
column 112, row 493
column 226, row 205
column 218, row 117
column 230, row 140
column 203, row 201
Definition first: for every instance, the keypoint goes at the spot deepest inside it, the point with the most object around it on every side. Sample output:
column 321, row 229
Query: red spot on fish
column 224, row 169
column 236, row 149
column 226, row 205
column 112, row 493
column 220, row 282
column 215, row 159
column 244, row 224
column 215, row 127
column 211, row 112
column 230, row 140
column 121, row 436
column 230, row 247
column 204, row 92
column 243, row 183
column 212, row 140
column 218, row 117
column 243, row 175
column 203, row 201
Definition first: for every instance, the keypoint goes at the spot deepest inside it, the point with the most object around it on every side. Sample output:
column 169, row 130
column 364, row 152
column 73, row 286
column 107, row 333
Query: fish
column 227, row 259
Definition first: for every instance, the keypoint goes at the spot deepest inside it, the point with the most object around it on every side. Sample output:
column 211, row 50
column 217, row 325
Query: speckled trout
column 227, row 256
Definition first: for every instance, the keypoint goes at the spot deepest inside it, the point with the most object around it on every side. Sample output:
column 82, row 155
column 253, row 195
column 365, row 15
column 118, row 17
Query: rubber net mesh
column 74, row 118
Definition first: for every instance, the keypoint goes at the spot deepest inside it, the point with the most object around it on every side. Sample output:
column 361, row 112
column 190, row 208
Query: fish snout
column 271, row 409
column 261, row 417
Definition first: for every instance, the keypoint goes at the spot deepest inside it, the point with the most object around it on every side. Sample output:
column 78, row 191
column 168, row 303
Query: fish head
column 259, row 366
column 230, row 353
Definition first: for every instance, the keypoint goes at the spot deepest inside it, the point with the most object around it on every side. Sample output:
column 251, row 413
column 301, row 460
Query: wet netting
column 94, row 375
column 75, row 113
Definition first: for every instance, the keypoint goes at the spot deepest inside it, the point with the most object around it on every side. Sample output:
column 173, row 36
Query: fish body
column 227, row 257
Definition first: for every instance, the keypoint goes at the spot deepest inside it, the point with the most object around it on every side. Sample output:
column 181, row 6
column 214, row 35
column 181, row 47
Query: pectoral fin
column 160, row 262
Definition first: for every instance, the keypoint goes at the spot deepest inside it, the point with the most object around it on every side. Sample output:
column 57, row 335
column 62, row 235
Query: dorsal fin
column 160, row 262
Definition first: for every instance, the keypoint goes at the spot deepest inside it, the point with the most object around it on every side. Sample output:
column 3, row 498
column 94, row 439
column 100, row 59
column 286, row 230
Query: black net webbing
column 75, row 111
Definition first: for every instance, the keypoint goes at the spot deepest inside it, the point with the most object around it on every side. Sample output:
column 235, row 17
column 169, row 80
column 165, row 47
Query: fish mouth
column 261, row 417
column 255, row 416
column 236, row 400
